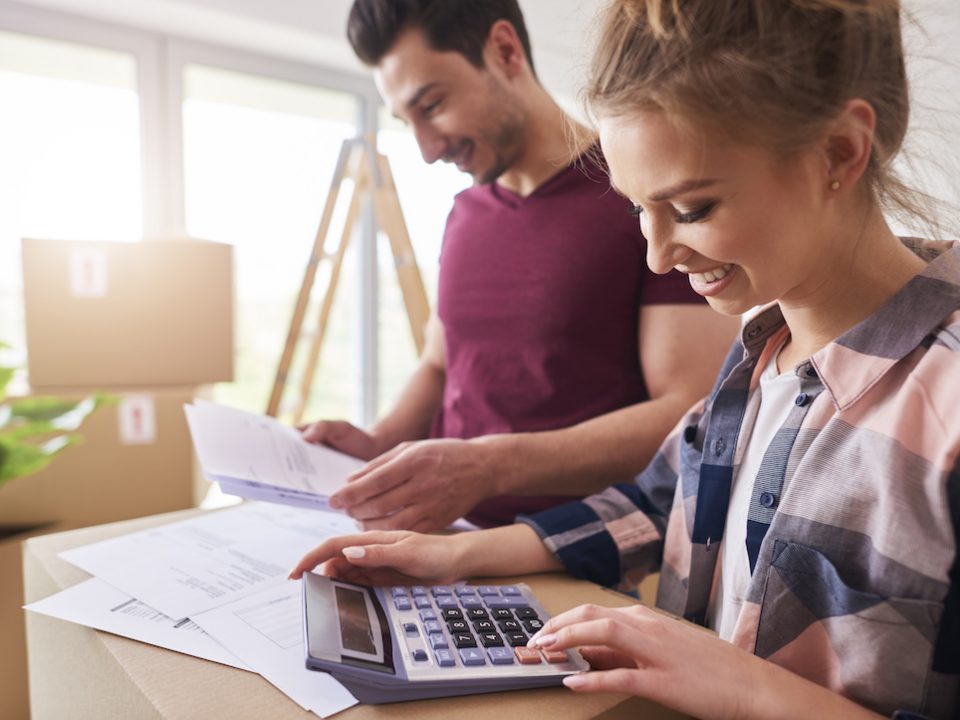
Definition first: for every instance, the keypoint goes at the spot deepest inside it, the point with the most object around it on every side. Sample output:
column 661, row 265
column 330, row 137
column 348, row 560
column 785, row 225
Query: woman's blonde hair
column 774, row 72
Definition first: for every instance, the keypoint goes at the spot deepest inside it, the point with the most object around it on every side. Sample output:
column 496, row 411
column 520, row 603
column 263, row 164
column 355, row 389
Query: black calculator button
column 464, row 640
column 452, row 614
column 411, row 628
column 458, row 626
column 477, row 613
column 484, row 626
column 491, row 639
column 419, row 655
column 509, row 625
column 501, row 614
column 532, row 625
column 516, row 639
column 525, row 613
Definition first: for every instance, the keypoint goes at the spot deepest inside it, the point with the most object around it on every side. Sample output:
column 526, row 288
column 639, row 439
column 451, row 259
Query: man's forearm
column 411, row 416
column 587, row 457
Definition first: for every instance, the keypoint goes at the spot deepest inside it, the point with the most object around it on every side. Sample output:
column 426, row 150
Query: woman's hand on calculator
column 386, row 558
column 642, row 652
column 397, row 557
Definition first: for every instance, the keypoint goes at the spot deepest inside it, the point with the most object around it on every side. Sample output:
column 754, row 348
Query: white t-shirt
column 777, row 395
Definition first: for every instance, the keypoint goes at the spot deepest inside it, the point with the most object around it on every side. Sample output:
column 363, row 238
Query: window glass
column 259, row 156
column 426, row 197
column 70, row 149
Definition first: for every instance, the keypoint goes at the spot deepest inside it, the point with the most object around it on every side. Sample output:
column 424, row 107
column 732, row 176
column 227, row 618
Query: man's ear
column 848, row 144
column 503, row 49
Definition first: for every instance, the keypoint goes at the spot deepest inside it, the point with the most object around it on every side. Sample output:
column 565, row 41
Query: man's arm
column 681, row 350
column 410, row 417
column 426, row 485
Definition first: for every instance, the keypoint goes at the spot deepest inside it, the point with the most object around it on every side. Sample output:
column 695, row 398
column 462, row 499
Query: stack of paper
column 258, row 458
column 214, row 587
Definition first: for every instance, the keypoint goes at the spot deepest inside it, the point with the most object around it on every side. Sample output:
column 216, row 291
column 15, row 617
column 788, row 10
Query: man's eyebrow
column 680, row 188
column 418, row 95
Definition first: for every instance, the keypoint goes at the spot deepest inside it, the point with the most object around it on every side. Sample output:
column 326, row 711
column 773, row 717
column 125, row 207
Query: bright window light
column 70, row 149
column 259, row 156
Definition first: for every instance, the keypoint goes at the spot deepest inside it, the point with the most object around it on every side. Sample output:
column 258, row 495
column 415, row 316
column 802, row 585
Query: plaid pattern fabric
column 853, row 523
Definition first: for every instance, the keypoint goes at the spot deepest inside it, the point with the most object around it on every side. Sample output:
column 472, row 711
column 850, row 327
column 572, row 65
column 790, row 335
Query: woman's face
column 746, row 226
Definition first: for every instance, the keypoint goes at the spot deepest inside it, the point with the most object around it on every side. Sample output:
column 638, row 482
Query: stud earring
column 835, row 185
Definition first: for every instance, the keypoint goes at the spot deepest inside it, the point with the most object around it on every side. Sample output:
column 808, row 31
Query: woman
column 808, row 510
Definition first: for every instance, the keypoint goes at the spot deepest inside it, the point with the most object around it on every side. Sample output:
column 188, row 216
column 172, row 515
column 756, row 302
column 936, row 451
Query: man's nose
column 431, row 143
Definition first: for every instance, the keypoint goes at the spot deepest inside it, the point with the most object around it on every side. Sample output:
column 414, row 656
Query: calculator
column 390, row 644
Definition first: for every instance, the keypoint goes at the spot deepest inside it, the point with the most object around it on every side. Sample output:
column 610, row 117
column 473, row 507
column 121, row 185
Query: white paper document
column 96, row 604
column 265, row 630
column 259, row 458
column 195, row 565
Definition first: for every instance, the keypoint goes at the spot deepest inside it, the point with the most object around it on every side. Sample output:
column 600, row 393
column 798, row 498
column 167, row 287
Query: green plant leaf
column 6, row 374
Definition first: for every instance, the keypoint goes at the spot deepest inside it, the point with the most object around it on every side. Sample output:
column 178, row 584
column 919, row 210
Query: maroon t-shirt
column 539, row 298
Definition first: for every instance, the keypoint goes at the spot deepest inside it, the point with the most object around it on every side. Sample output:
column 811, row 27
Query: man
column 556, row 362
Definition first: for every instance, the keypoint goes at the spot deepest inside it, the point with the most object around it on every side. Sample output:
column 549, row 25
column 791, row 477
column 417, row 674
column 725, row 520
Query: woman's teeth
column 712, row 275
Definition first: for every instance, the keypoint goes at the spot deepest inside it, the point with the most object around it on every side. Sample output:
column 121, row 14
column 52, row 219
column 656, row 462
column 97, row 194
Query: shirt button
column 767, row 499
column 802, row 399
column 719, row 446
column 690, row 434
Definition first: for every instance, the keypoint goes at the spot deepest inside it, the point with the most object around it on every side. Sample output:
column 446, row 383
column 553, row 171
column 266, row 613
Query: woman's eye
column 430, row 107
column 696, row 215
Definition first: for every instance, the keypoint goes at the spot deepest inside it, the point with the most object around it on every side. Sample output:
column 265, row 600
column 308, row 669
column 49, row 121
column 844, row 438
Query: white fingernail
column 354, row 552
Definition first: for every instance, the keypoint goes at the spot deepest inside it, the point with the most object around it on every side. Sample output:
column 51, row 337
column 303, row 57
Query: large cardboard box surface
column 135, row 459
column 13, row 656
column 112, row 314
column 81, row 673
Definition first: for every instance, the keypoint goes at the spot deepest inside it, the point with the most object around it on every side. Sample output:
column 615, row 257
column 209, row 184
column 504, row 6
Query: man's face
column 458, row 113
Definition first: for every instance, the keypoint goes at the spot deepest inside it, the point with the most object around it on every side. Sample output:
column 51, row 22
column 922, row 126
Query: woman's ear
column 848, row 145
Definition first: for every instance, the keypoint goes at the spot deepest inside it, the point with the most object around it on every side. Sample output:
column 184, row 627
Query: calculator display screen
column 356, row 632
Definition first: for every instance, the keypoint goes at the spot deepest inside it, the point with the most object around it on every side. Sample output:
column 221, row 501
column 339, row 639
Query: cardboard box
column 136, row 459
column 106, row 314
column 81, row 673
column 13, row 658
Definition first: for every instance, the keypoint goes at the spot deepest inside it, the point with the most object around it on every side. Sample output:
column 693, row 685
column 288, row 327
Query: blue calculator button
column 472, row 656
column 432, row 626
column 441, row 590
column 500, row 655
column 510, row 590
column 418, row 590
column 446, row 601
column 471, row 601
column 444, row 658
column 437, row 641
column 462, row 590
column 488, row 590
column 509, row 601
column 399, row 592
column 401, row 603
column 419, row 655
column 422, row 602
column 428, row 614
column 411, row 628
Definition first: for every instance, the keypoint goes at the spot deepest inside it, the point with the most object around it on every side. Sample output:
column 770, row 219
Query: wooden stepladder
column 370, row 173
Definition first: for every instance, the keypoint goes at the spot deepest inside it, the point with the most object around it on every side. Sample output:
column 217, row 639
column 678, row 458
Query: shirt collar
column 855, row 361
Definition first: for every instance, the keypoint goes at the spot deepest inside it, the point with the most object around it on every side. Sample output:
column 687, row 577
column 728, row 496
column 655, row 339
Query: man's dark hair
column 448, row 25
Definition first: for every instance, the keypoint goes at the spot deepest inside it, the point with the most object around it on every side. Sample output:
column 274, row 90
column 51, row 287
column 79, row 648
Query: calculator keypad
column 473, row 625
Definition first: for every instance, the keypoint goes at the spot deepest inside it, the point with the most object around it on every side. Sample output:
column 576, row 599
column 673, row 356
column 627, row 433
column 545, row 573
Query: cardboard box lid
column 108, row 314
column 178, row 686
